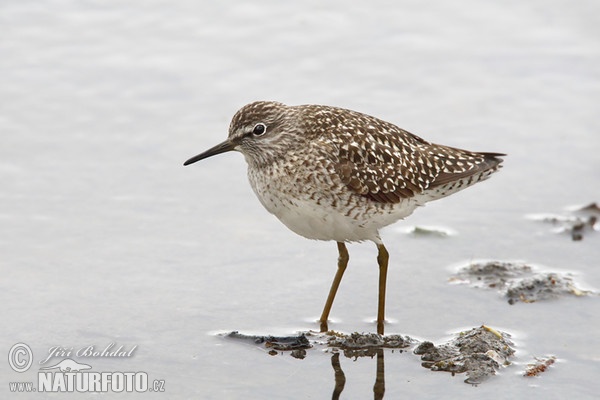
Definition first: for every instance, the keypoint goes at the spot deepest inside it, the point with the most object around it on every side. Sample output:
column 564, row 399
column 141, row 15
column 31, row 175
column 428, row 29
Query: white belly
column 345, row 217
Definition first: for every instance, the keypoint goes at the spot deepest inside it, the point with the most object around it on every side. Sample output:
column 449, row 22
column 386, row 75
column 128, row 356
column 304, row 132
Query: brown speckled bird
column 334, row 174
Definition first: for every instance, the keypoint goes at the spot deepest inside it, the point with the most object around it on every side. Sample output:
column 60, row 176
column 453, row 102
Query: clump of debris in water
column 579, row 221
column 366, row 344
column 518, row 282
column 540, row 366
column 479, row 353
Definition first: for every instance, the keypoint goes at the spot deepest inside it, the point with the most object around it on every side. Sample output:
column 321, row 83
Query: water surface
column 107, row 238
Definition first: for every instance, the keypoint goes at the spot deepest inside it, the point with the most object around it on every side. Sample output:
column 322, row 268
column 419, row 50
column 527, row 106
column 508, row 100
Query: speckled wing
column 388, row 164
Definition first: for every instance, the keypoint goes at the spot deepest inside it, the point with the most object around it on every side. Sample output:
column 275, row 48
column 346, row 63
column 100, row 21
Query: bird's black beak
column 213, row 151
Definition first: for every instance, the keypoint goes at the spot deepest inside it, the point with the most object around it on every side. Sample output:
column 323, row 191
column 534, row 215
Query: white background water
column 105, row 237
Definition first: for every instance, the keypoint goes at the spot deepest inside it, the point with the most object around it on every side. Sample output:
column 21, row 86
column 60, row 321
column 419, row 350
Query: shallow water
column 107, row 239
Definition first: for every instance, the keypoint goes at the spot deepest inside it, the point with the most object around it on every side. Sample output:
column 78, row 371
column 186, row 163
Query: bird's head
column 262, row 131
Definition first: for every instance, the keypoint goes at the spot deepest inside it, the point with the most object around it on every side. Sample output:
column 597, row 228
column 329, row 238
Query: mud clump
column 366, row 344
column 541, row 287
column 578, row 222
column 518, row 282
column 479, row 353
column 275, row 343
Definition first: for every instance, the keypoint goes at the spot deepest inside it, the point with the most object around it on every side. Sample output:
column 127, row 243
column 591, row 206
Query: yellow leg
column 382, row 259
column 342, row 264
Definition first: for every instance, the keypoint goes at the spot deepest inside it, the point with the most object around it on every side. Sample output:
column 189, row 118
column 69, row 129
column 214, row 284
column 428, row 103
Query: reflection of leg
column 382, row 259
column 340, row 378
column 342, row 264
column 379, row 387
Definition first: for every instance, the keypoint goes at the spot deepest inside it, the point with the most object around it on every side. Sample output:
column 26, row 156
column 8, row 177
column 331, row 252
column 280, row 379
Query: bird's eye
column 259, row 129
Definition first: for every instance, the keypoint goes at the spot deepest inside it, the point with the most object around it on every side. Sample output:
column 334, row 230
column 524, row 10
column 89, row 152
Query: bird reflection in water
column 340, row 377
